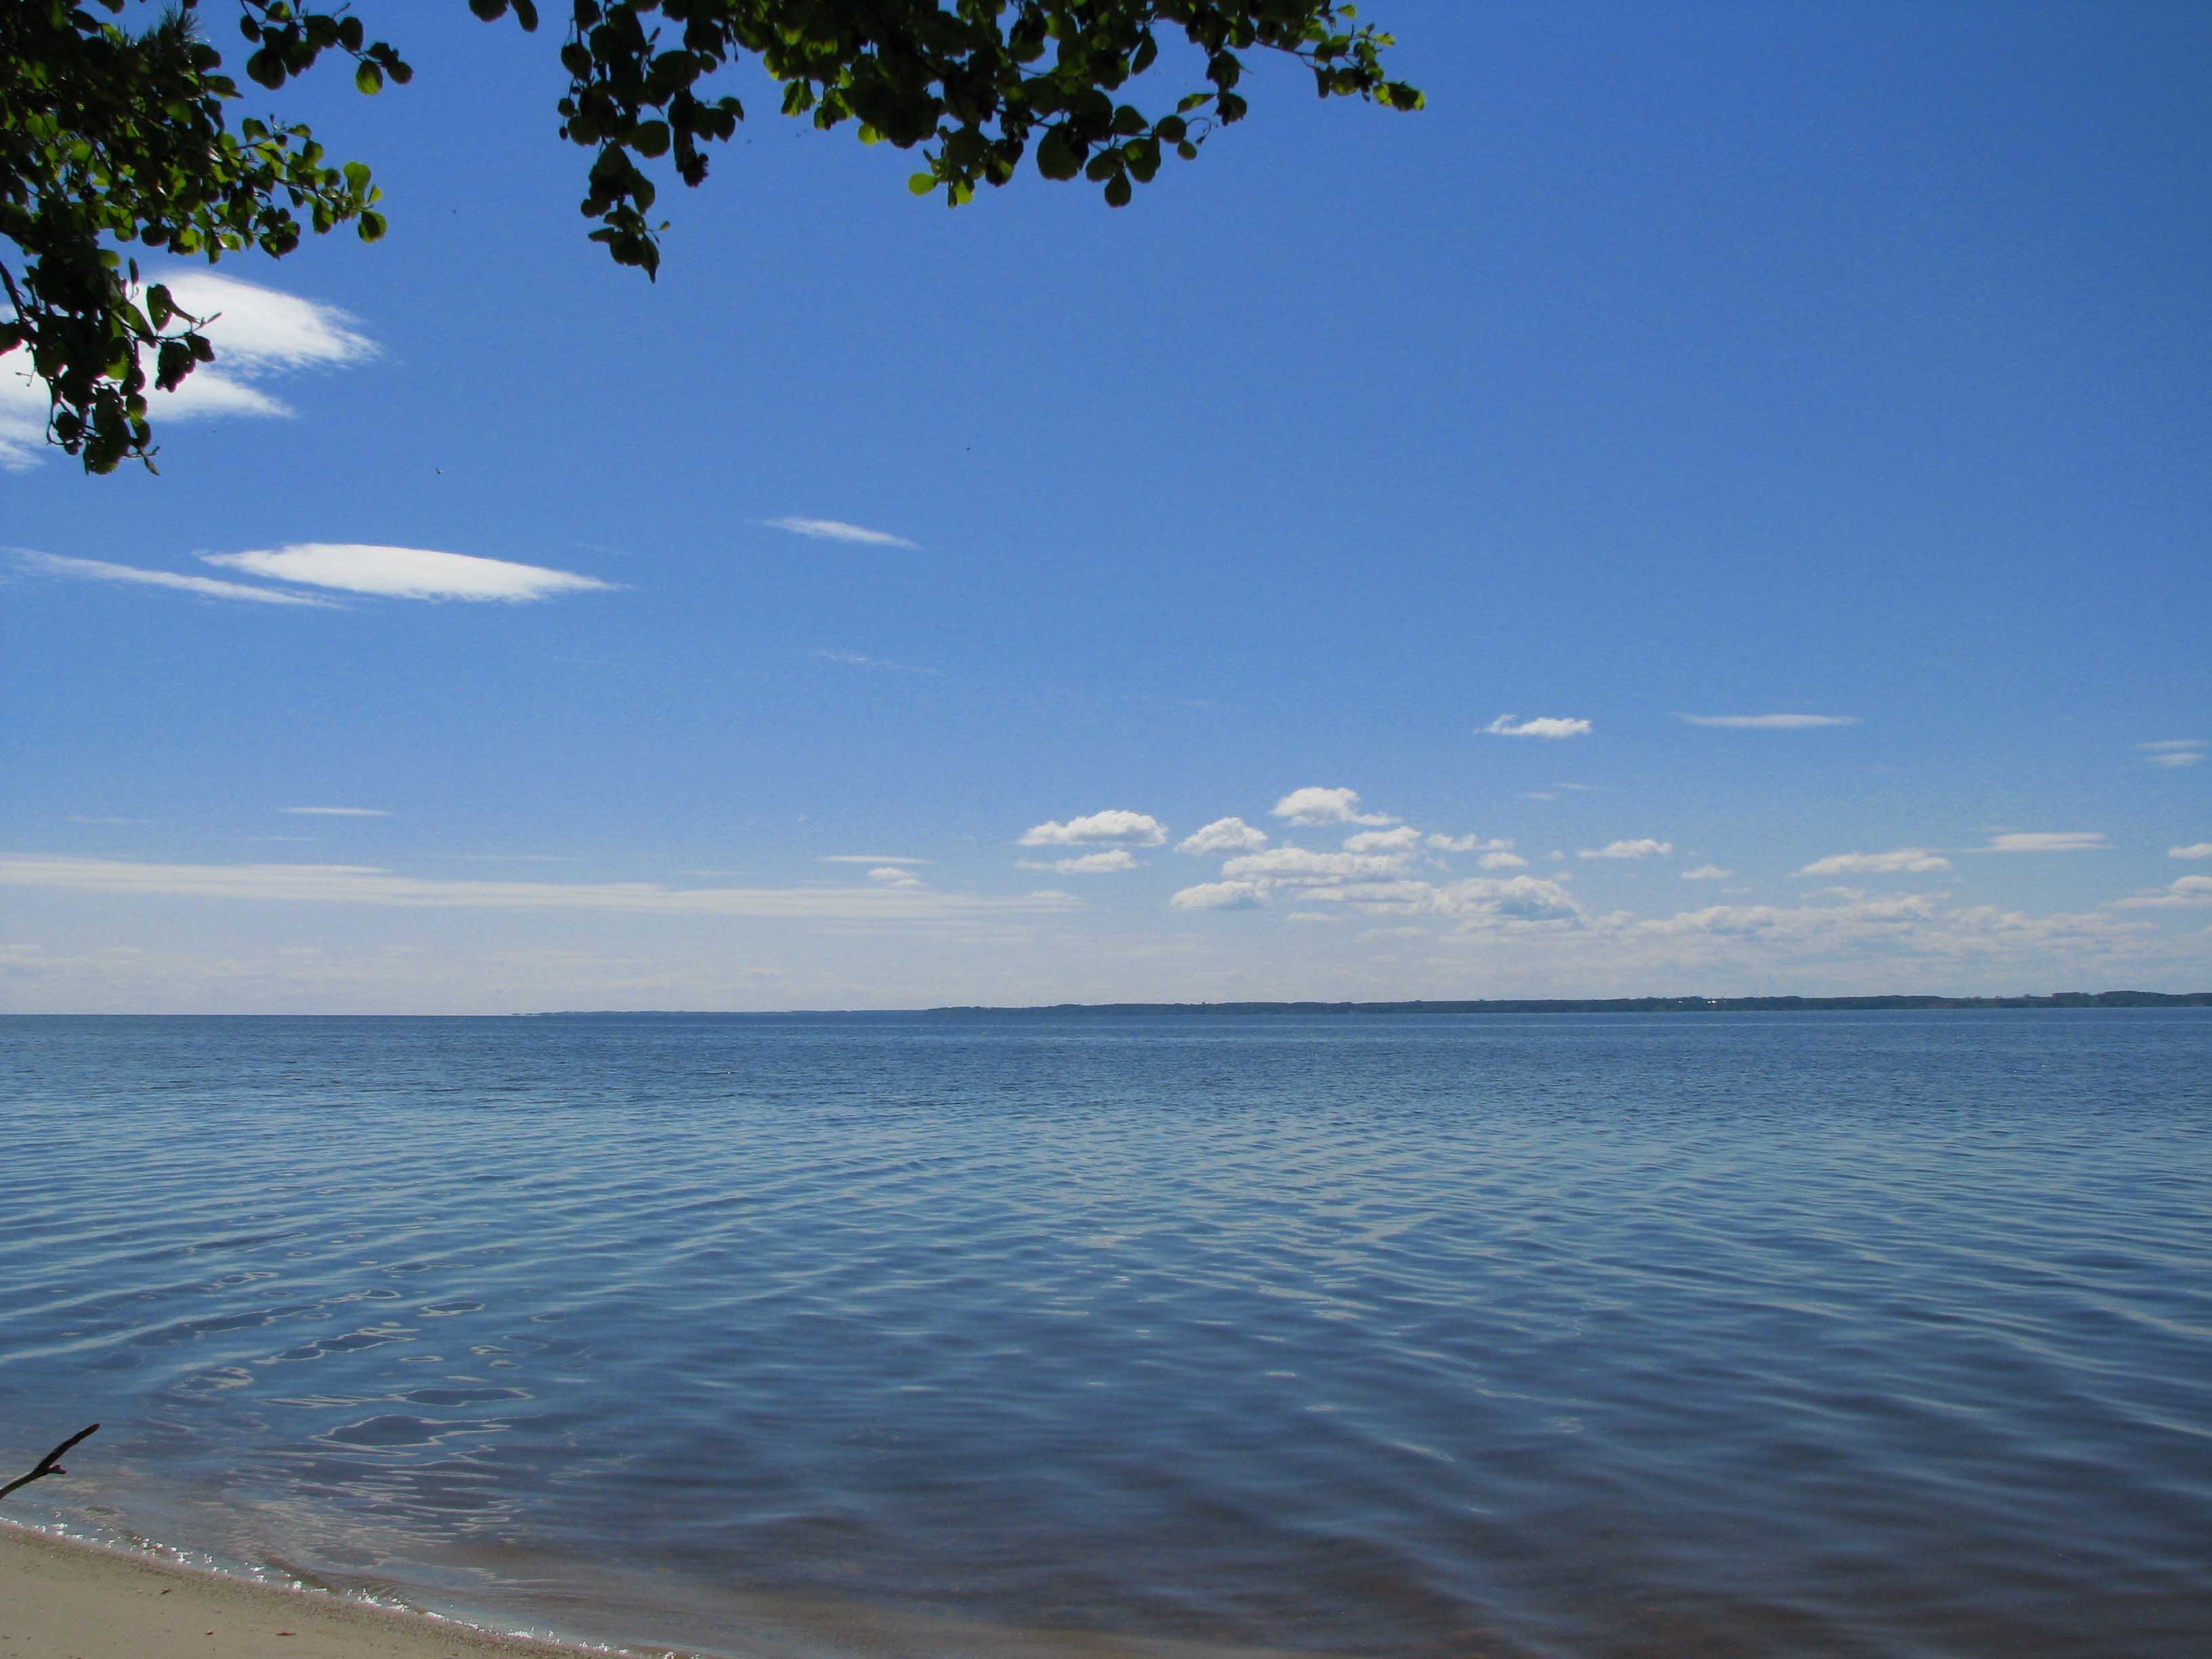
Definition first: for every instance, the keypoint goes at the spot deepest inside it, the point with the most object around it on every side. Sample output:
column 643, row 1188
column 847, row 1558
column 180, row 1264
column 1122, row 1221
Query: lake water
column 1429, row 1336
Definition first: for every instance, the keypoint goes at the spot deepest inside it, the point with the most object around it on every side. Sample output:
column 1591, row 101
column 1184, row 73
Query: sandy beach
column 63, row 1600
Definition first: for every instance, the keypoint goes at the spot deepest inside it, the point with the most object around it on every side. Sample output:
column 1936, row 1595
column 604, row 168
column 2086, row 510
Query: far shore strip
column 60, row 1599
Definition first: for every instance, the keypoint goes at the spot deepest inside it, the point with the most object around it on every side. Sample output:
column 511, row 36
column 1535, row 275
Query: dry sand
column 63, row 1600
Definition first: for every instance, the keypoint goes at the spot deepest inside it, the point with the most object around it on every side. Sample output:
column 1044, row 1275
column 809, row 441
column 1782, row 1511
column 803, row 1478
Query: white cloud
column 1115, row 826
column 345, row 884
column 1224, row 835
column 258, row 333
column 2174, row 752
column 2190, row 891
column 1403, row 839
column 1465, row 844
column 1220, row 895
column 1089, row 864
column 1543, row 725
column 894, row 875
column 867, row 857
column 1707, row 872
column 1503, row 861
column 1643, row 848
column 99, row 570
column 2052, row 841
column 2202, row 849
column 406, row 573
column 336, row 811
column 1904, row 859
column 835, row 530
column 1313, row 806
column 1474, row 903
column 1299, row 864
column 1770, row 722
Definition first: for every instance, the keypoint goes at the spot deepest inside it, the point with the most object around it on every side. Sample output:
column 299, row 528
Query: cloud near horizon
column 1220, row 895
column 2202, row 849
column 1224, row 835
column 1770, row 722
column 1314, row 806
column 362, row 885
column 1549, row 726
column 1917, row 860
column 407, row 572
column 2051, row 841
column 836, row 530
column 1087, row 864
column 1115, row 826
column 2181, row 891
column 258, row 333
column 1643, row 848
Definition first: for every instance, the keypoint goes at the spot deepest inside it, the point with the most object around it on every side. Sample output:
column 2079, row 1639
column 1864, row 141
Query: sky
column 1716, row 504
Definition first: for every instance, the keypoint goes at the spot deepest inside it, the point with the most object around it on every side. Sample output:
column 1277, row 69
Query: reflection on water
column 1439, row 1335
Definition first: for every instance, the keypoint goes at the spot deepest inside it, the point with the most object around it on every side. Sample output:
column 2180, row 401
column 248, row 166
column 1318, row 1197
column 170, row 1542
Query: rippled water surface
column 1879, row 1334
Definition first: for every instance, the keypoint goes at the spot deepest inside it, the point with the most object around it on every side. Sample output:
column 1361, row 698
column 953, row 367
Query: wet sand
column 63, row 1600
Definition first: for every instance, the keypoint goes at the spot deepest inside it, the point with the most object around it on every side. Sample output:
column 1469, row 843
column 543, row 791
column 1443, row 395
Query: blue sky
column 906, row 590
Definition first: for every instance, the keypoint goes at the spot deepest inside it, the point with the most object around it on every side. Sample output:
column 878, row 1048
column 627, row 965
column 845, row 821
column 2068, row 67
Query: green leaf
column 1118, row 191
column 921, row 183
column 356, row 177
column 372, row 226
column 1058, row 156
column 367, row 77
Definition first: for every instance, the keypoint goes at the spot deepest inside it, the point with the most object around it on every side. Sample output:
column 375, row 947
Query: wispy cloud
column 1642, row 848
column 1770, row 722
column 894, row 875
column 2202, row 849
column 260, row 334
column 1115, row 826
column 406, row 573
column 867, row 857
column 2174, row 752
column 2182, row 891
column 336, row 811
column 359, row 885
column 856, row 660
column 1313, row 806
column 1542, row 726
column 2051, row 841
column 99, row 570
column 835, row 530
column 1503, row 861
column 1224, row 835
column 1220, row 895
column 1087, row 864
column 1914, row 861
column 1707, row 872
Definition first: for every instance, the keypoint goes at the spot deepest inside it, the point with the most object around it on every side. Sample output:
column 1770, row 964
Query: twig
column 50, row 1464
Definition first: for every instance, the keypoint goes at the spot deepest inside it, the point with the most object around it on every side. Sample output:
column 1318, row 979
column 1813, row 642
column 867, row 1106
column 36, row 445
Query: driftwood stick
column 50, row 1464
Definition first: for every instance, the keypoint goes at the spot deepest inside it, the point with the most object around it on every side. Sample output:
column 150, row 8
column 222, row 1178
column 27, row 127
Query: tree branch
column 50, row 1464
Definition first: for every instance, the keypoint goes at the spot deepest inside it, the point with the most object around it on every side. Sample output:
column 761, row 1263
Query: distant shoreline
column 1628, row 1005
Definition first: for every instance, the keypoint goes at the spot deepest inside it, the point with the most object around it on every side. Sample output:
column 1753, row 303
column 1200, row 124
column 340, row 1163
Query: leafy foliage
column 109, row 138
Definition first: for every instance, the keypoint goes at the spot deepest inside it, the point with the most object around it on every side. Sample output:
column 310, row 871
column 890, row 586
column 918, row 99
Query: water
column 1823, row 1334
